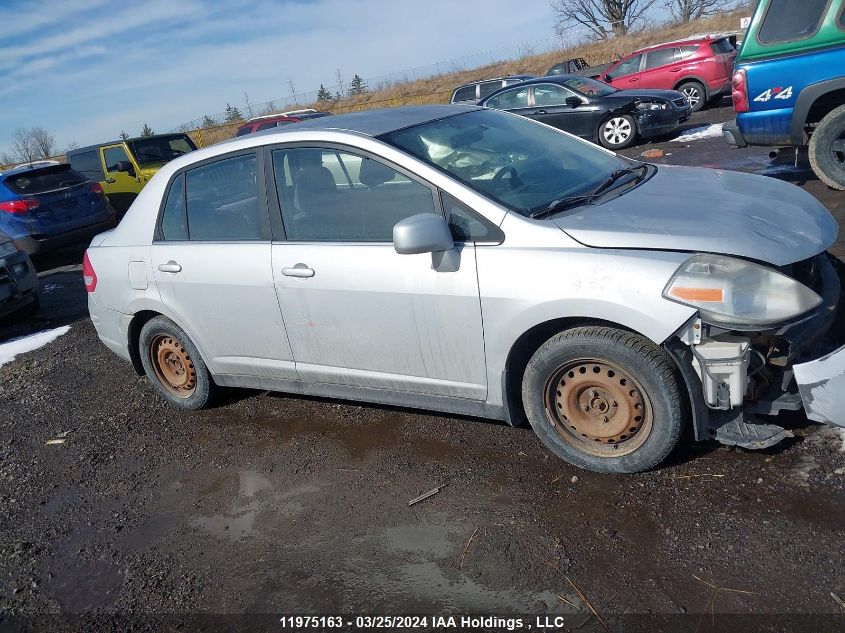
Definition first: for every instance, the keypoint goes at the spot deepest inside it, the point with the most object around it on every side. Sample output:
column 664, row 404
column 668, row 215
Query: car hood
column 708, row 210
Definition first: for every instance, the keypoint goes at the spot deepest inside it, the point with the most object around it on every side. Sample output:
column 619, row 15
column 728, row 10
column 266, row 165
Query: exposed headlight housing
column 736, row 292
column 652, row 105
column 8, row 248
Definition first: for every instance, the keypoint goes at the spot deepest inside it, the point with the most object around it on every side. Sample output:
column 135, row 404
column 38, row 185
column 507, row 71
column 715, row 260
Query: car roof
column 700, row 38
column 502, row 78
column 89, row 148
column 373, row 122
column 268, row 119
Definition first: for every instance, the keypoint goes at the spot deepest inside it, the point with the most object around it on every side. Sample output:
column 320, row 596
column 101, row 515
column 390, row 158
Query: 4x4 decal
column 774, row 93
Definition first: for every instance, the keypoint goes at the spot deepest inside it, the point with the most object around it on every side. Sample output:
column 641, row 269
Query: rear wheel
column 604, row 399
column 695, row 94
column 827, row 149
column 173, row 364
column 618, row 132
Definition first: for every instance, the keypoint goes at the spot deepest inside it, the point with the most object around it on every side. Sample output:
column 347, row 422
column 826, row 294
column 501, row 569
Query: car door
column 658, row 71
column 515, row 100
column 357, row 312
column 550, row 107
column 626, row 74
column 211, row 261
column 121, row 187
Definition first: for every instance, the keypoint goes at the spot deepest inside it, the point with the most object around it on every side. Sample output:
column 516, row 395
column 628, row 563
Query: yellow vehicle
column 123, row 167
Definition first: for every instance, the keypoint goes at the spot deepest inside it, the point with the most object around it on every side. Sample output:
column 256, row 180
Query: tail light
column 96, row 188
column 739, row 91
column 19, row 206
column 88, row 274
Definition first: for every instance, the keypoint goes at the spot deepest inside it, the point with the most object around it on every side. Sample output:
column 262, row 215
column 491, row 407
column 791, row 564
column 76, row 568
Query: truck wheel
column 604, row 399
column 827, row 149
column 618, row 132
column 695, row 94
column 174, row 365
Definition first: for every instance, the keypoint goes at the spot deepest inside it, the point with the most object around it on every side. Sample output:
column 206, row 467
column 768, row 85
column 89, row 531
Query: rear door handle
column 540, row 112
column 299, row 270
column 170, row 267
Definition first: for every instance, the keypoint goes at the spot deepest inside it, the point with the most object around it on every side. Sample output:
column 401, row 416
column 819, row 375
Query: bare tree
column 686, row 10
column 23, row 147
column 44, row 142
column 339, row 78
column 601, row 18
column 291, row 88
column 248, row 105
column 6, row 159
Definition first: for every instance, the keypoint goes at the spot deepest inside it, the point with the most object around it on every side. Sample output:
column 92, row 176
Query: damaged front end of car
column 761, row 343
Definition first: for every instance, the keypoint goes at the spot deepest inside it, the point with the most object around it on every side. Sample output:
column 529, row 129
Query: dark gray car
column 18, row 280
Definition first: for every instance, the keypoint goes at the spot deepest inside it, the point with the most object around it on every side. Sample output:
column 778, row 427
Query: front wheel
column 827, row 149
column 174, row 365
column 618, row 132
column 604, row 399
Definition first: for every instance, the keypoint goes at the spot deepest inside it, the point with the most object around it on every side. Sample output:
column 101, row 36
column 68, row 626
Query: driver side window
column 628, row 67
column 510, row 99
column 114, row 155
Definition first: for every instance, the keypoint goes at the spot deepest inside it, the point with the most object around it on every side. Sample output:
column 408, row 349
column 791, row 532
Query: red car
column 700, row 67
column 277, row 120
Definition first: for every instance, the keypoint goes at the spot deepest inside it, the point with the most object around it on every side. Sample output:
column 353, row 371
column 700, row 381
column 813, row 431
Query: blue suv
column 47, row 205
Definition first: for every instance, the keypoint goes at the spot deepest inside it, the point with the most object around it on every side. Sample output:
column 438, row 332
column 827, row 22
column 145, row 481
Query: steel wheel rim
column 693, row 96
column 598, row 407
column 173, row 366
column 617, row 130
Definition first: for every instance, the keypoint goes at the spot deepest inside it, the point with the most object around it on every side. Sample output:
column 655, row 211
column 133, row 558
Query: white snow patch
column 10, row 349
column 700, row 132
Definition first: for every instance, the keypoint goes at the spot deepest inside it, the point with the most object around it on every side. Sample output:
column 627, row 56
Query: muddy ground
column 278, row 504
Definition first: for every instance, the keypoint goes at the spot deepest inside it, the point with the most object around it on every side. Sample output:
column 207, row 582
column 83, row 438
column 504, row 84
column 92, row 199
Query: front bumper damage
column 821, row 383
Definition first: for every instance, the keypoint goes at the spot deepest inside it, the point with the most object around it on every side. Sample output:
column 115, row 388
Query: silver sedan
column 467, row 260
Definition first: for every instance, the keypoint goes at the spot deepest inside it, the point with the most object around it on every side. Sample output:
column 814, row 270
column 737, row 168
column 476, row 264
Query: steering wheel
column 500, row 175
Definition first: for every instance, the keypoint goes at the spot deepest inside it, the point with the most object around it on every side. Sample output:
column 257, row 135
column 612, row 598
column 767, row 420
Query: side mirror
column 422, row 233
column 573, row 102
column 607, row 79
column 123, row 165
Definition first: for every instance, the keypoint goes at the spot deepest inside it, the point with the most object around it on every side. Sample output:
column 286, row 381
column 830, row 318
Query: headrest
column 374, row 173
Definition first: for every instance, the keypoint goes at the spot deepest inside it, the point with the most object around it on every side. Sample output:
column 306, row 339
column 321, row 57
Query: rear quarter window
column 720, row 47
column 88, row 164
column 44, row 180
column 789, row 21
column 467, row 93
column 489, row 87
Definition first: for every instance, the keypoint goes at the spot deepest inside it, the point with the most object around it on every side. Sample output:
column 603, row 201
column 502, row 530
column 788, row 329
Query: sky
column 87, row 69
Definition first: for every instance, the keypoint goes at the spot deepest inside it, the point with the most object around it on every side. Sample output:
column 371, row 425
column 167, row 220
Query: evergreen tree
column 323, row 94
column 207, row 121
column 233, row 115
column 123, row 135
column 147, row 131
column 357, row 86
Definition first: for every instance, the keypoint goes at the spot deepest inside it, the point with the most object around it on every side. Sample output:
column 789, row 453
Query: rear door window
column 44, row 180
column 88, row 164
column 488, row 87
column 660, row 57
column 174, row 224
column 223, row 203
column 789, row 21
column 467, row 93
column 682, row 52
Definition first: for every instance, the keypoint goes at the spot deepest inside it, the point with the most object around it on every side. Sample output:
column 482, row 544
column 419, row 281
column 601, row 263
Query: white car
column 462, row 259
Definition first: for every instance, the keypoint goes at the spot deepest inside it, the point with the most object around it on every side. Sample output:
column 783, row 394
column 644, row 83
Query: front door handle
column 111, row 181
column 299, row 270
column 170, row 267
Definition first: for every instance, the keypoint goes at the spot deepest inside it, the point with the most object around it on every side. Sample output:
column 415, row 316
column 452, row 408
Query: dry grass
column 438, row 89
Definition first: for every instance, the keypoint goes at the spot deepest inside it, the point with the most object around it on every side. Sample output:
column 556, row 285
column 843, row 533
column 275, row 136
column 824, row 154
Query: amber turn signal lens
column 698, row 294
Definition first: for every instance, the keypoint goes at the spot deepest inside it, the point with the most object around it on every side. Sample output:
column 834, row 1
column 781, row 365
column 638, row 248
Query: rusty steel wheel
column 173, row 366
column 598, row 408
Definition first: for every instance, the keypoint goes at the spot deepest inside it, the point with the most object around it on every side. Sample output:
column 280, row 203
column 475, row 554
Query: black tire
column 198, row 389
column 638, row 360
column 29, row 310
column 618, row 131
column 827, row 159
column 695, row 94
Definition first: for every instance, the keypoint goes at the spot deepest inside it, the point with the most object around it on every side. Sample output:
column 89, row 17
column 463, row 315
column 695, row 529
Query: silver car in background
column 461, row 259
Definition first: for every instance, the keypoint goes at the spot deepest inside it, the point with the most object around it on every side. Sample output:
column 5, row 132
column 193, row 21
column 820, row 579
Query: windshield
column 589, row 87
column 160, row 149
column 512, row 160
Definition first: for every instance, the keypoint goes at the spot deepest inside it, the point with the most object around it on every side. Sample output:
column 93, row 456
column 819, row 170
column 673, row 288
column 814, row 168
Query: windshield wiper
column 573, row 201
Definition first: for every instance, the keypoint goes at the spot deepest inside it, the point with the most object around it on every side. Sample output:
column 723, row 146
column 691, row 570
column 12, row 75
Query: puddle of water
column 430, row 540
column 87, row 587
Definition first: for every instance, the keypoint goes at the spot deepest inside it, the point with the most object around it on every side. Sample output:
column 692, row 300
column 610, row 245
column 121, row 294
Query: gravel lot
column 279, row 504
